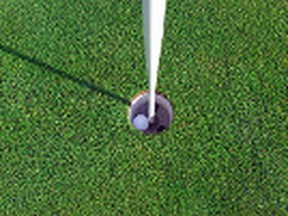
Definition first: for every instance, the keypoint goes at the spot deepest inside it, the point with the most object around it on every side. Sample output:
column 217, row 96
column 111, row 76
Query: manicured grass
column 68, row 71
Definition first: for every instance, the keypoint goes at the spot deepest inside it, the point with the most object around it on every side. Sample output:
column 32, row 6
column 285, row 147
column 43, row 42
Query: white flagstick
column 154, row 15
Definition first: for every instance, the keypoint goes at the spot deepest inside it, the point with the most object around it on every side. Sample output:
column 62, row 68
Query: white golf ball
column 141, row 122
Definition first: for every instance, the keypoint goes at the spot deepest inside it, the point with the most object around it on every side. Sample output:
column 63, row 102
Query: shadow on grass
column 61, row 73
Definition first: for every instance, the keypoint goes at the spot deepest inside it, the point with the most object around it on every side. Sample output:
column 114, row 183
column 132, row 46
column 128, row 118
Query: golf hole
column 163, row 114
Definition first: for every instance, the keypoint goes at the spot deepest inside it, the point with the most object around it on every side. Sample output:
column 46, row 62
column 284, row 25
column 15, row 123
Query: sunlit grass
column 68, row 70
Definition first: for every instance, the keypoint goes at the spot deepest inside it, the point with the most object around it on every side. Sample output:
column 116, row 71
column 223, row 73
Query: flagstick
column 154, row 15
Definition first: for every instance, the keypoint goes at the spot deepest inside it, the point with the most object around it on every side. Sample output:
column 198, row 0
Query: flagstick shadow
column 63, row 74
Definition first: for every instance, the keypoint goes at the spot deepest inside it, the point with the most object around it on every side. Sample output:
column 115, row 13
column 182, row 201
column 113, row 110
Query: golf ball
column 141, row 122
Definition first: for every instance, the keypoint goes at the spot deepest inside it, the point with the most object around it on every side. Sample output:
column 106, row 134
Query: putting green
column 68, row 72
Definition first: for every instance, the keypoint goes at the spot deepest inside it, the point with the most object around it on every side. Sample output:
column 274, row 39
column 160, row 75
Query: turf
column 68, row 71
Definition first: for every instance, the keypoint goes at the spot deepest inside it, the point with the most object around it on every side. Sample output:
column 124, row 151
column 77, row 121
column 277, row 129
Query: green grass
column 68, row 70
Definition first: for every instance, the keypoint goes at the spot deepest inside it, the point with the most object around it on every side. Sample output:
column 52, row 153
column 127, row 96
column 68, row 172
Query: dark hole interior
column 162, row 115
